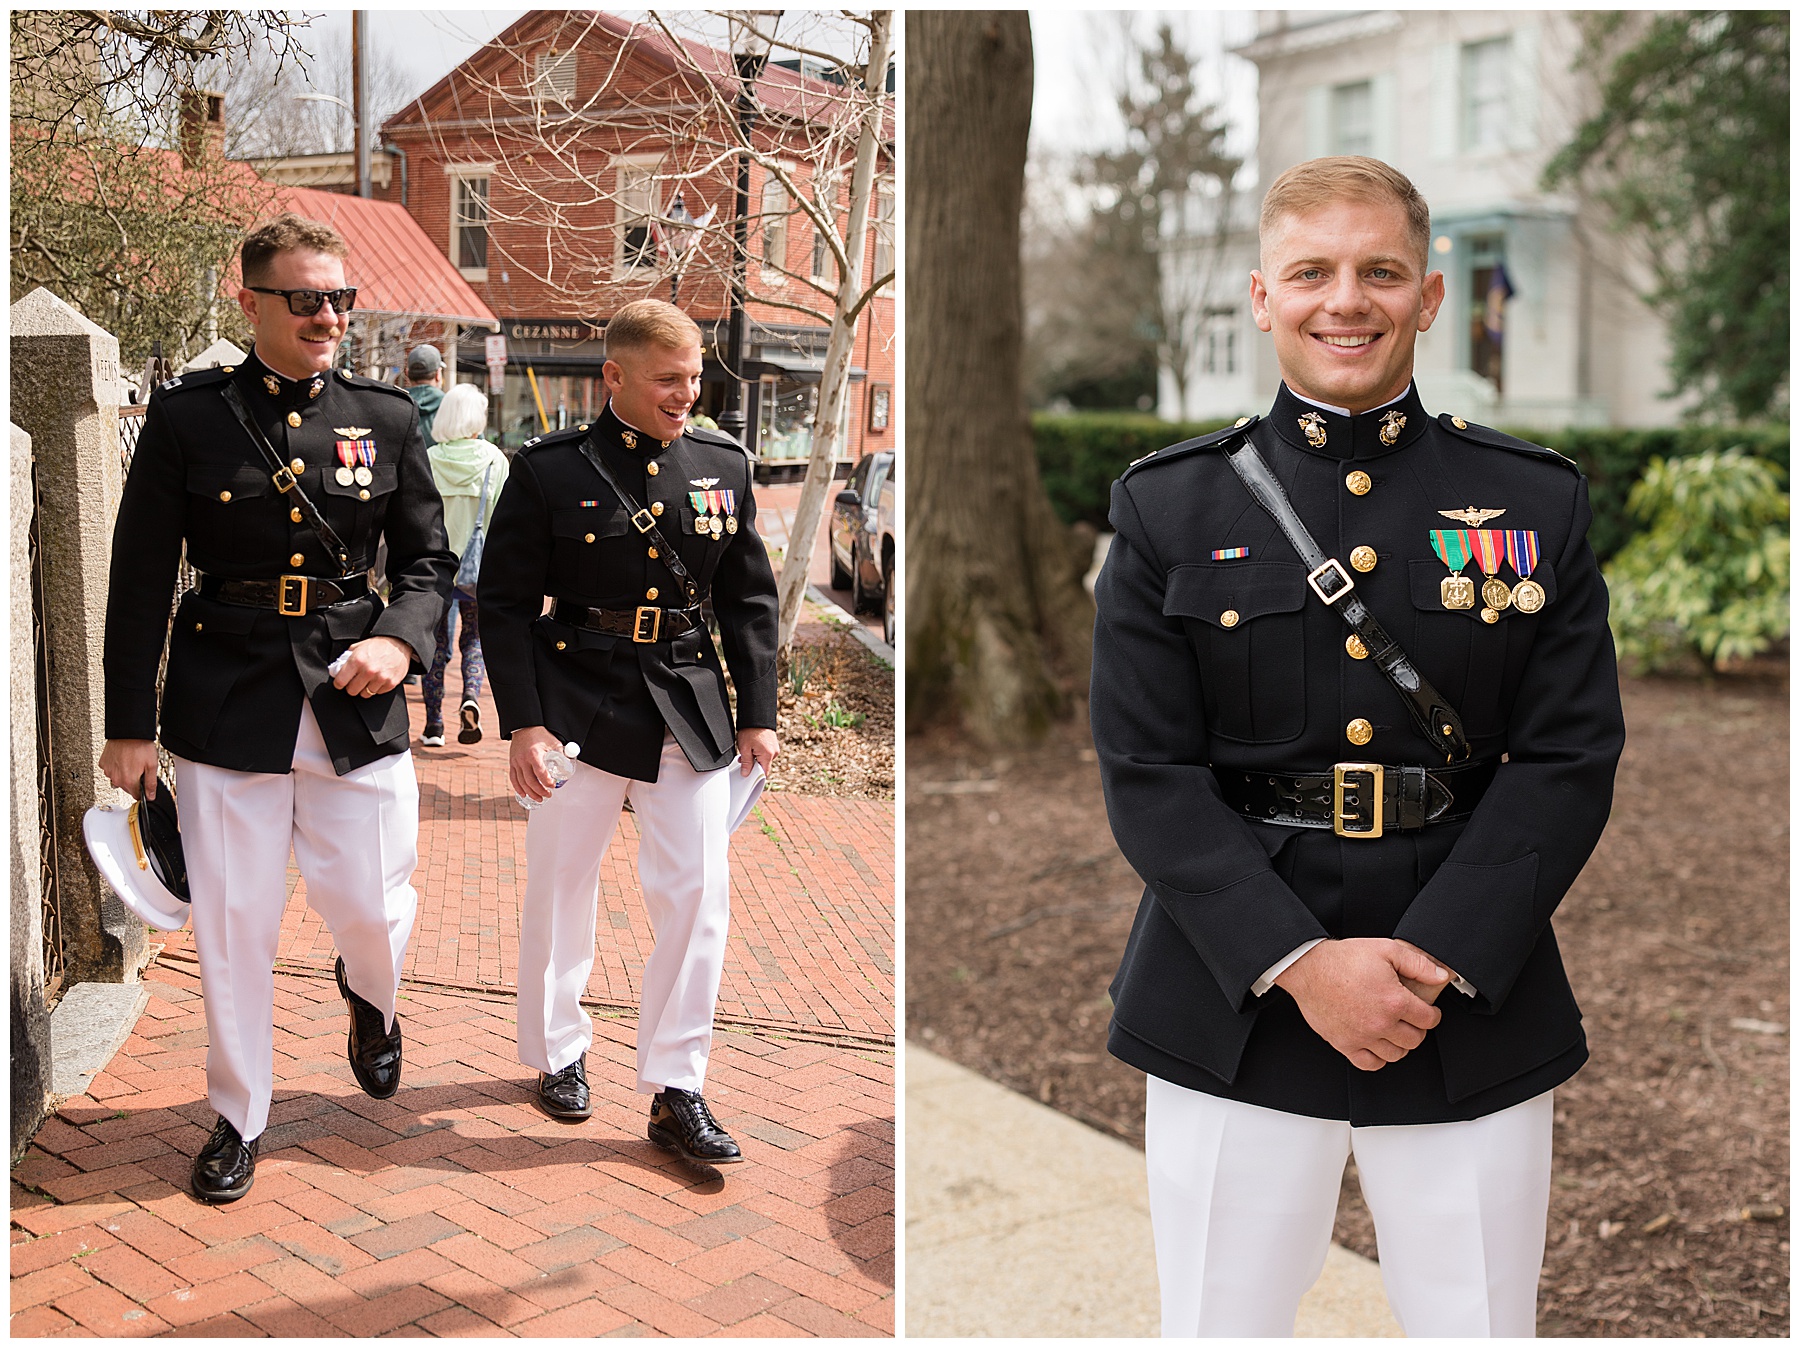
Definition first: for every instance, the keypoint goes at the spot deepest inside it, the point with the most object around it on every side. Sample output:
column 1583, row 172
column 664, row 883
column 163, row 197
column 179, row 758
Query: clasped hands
column 1370, row 998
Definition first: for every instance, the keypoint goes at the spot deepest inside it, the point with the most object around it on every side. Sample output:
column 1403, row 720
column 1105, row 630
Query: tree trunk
column 994, row 594
column 831, row 424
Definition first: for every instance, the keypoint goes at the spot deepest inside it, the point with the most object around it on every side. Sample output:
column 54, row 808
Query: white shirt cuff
column 1463, row 986
column 1277, row 969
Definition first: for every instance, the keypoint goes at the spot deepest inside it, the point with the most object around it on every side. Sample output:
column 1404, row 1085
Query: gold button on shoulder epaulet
column 228, row 369
column 582, row 427
column 1459, row 423
column 1241, row 421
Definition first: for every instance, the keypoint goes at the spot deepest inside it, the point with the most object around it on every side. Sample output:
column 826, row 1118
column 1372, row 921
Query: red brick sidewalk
column 458, row 1208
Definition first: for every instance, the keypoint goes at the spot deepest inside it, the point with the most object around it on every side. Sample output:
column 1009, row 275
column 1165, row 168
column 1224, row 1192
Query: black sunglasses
column 306, row 303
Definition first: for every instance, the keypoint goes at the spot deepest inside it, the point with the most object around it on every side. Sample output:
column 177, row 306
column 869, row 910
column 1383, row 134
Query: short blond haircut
column 1347, row 177
column 287, row 233
column 644, row 323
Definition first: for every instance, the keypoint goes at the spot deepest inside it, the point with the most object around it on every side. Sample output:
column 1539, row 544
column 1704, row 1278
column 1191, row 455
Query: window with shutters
column 1486, row 75
column 635, row 194
column 883, row 225
column 555, row 77
column 1353, row 118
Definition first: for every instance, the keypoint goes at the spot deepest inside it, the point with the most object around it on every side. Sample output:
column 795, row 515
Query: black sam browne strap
column 1435, row 718
column 285, row 481
column 645, row 523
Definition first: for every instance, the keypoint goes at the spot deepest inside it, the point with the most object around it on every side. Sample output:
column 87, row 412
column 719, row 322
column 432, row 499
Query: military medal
column 1522, row 553
column 1391, row 426
column 1490, row 551
column 1452, row 547
column 356, row 451
column 1313, row 426
column 365, row 454
column 1472, row 517
column 346, row 452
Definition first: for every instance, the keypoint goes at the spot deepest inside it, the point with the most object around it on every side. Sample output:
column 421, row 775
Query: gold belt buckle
column 1330, row 570
column 651, row 614
column 288, row 586
column 283, row 479
column 1364, row 807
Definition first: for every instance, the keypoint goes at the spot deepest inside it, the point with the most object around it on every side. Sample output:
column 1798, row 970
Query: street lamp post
column 753, row 34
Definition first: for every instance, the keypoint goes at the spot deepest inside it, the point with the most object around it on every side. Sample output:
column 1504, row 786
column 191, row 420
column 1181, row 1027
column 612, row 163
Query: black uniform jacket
column 560, row 532
column 236, row 674
column 1233, row 663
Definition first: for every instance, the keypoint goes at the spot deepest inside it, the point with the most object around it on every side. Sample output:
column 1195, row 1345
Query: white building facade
column 1470, row 105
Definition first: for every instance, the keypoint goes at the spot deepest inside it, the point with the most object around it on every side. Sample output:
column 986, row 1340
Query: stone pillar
column 30, row 1021
column 65, row 391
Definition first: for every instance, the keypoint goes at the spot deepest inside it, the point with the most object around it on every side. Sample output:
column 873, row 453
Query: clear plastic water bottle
column 559, row 767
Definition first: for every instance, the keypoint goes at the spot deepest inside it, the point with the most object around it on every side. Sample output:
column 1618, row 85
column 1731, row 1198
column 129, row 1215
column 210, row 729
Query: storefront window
column 787, row 409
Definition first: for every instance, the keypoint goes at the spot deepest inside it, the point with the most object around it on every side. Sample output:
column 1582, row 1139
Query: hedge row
column 1080, row 454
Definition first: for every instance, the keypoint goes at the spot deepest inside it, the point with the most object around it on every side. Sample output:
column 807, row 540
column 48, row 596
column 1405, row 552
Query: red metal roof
column 394, row 266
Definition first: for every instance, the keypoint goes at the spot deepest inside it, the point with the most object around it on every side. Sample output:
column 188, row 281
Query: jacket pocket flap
column 240, row 479
column 1426, row 576
column 383, row 478
column 602, row 521
column 1247, row 589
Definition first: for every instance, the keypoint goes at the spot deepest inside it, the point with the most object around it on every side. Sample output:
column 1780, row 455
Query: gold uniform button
column 199, row 627
column 1241, row 421
column 224, row 496
column 227, row 369
column 582, row 427
column 587, row 538
column 651, row 468
column 1459, row 423
column 1489, row 615
column 562, row 645
column 654, row 554
column 294, row 514
column 1359, row 731
column 363, row 495
column 1354, row 645
column 1229, row 618
column 294, row 419
column 1359, row 483
column 650, row 593
column 1363, row 558
column 296, row 559
column 656, row 507
column 297, row 465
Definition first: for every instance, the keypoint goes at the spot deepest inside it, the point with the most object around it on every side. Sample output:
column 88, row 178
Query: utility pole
column 359, row 71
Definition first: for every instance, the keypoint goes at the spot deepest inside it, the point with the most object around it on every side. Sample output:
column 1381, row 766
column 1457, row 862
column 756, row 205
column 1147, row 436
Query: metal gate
column 51, row 891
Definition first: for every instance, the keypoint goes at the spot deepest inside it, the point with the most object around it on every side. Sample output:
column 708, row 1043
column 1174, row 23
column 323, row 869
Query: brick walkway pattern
column 457, row 1208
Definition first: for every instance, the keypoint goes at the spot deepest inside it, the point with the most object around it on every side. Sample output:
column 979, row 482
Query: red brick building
column 547, row 168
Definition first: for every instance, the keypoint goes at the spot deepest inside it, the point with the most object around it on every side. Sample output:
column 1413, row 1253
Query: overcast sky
column 1081, row 57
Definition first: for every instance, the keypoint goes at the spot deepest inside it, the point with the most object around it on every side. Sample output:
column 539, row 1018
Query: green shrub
column 1708, row 574
column 1080, row 455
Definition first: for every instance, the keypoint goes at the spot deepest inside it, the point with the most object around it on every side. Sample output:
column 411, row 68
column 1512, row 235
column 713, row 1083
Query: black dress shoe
column 226, row 1166
column 680, row 1121
column 471, row 724
column 564, row 1094
column 374, row 1049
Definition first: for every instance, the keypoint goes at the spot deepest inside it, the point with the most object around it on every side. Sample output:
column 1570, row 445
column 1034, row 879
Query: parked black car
column 862, row 534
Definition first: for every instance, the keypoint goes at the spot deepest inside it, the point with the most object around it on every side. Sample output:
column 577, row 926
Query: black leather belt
column 290, row 596
column 1359, row 800
column 644, row 624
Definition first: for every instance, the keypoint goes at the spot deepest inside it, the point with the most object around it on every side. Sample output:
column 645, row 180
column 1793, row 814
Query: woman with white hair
column 469, row 472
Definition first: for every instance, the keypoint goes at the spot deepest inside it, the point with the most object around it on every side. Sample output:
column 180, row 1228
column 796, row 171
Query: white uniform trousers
column 356, row 839
column 1242, row 1200
column 683, row 831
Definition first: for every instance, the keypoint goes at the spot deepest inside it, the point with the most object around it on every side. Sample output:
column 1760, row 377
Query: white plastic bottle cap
column 572, row 749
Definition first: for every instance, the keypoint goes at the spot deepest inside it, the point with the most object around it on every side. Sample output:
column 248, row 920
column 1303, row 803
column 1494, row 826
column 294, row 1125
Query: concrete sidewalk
column 1022, row 1222
column 458, row 1208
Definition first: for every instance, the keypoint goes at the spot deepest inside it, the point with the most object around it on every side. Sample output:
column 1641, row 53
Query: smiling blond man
column 628, row 526
column 1358, row 715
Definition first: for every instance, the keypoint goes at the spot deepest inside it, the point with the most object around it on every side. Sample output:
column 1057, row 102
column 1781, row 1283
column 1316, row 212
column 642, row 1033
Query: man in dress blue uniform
column 1355, row 793
column 628, row 525
column 281, row 705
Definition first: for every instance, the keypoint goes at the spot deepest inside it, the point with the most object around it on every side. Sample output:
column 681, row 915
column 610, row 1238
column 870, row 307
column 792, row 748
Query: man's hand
column 1425, row 991
column 127, row 762
column 1351, row 992
column 525, row 763
column 376, row 664
column 757, row 746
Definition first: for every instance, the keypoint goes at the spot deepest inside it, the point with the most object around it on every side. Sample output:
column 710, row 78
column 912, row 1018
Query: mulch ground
column 837, row 718
column 1668, row 1214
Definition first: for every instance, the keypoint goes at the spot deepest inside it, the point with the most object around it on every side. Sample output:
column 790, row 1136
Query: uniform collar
column 1338, row 435
column 272, row 384
column 610, row 430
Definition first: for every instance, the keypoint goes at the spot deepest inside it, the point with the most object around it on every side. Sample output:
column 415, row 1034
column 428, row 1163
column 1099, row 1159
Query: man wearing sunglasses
column 281, row 705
